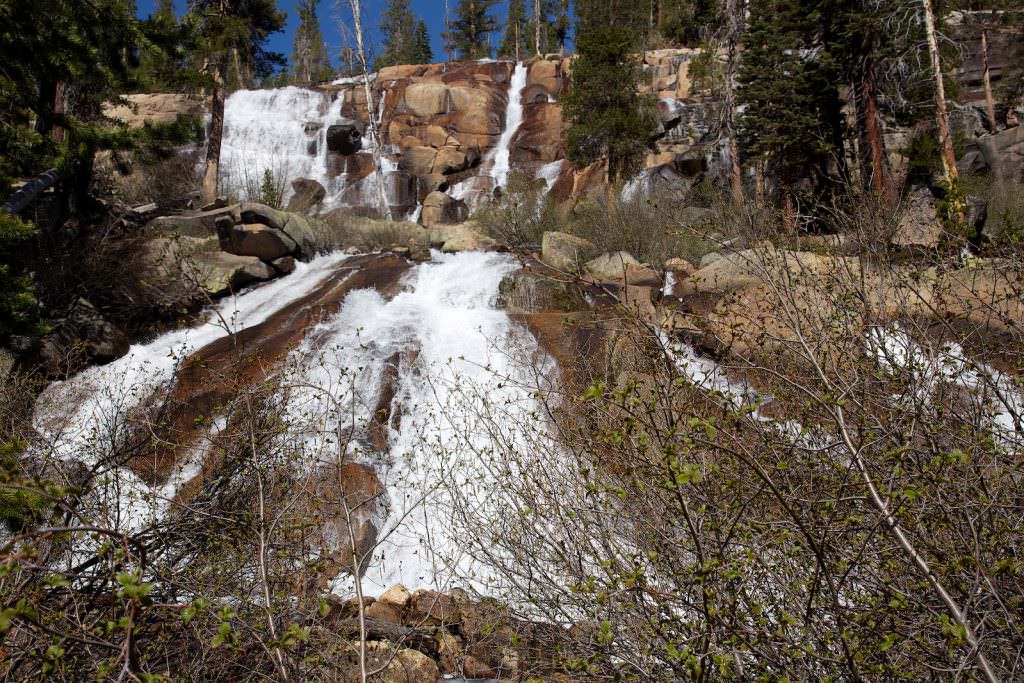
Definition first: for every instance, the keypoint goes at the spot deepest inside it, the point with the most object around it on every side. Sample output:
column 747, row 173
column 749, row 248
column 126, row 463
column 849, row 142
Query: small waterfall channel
column 513, row 119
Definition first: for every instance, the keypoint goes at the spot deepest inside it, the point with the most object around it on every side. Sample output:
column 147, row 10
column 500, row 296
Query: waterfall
column 439, row 348
column 454, row 347
column 283, row 130
column 513, row 118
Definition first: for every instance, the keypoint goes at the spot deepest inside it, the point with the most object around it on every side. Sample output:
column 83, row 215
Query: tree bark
column 734, row 15
column 990, row 104
column 871, row 136
column 214, row 136
column 941, row 117
column 536, row 26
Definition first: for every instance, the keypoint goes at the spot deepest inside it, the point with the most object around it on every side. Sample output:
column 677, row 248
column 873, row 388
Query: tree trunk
column 536, row 26
column 941, row 117
column 871, row 136
column 990, row 105
column 372, row 128
column 788, row 211
column 214, row 136
column 734, row 15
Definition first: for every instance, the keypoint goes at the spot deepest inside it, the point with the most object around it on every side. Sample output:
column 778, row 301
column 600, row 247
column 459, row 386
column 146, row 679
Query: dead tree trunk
column 871, row 136
column 215, row 134
column 941, row 116
column 371, row 110
column 734, row 12
column 990, row 104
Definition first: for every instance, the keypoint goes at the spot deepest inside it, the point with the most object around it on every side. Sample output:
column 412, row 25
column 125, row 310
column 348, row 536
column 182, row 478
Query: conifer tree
column 469, row 33
column 309, row 57
column 398, row 25
column 233, row 46
column 423, row 54
column 514, row 44
column 788, row 82
column 607, row 118
column 406, row 38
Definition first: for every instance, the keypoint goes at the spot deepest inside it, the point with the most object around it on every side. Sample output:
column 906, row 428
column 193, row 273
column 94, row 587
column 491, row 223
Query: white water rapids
column 453, row 345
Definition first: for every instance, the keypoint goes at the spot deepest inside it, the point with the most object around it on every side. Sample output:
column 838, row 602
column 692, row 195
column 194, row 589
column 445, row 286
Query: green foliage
column 270, row 192
column 515, row 43
column 789, row 89
column 22, row 503
column 18, row 307
column 233, row 36
column 607, row 118
column 406, row 38
column 166, row 54
column 468, row 33
column 310, row 63
column 687, row 22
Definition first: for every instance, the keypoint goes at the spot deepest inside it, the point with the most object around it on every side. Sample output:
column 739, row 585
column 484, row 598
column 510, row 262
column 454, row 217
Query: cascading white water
column 83, row 418
column 284, row 130
column 453, row 343
column 513, row 119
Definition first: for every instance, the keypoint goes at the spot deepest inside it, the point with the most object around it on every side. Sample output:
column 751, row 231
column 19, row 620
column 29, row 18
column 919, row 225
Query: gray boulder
column 1004, row 152
column 307, row 195
column 82, row 335
column 296, row 226
column 256, row 239
column 442, row 209
column 194, row 224
column 920, row 225
column 566, row 252
column 219, row 273
column 611, row 266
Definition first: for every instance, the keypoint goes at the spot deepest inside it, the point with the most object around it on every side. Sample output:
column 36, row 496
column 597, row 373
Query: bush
column 342, row 229
column 652, row 228
column 522, row 216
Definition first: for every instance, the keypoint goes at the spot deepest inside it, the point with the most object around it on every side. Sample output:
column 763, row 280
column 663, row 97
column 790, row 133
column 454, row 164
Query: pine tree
column 788, row 86
column 469, row 33
column 233, row 46
column 515, row 43
column 398, row 25
column 423, row 54
column 310, row 63
column 607, row 119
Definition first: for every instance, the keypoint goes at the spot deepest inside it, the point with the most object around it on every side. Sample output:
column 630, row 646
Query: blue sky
column 333, row 12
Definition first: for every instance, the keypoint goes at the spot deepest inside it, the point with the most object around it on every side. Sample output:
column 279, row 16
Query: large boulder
column 450, row 160
column 195, row 223
column 393, row 664
column 566, row 252
column 460, row 237
column 261, row 241
column 426, row 99
column 344, row 138
column 218, row 273
column 295, row 226
column 611, row 266
column 142, row 109
column 920, row 225
column 442, row 209
column 82, row 335
column 1004, row 152
column 307, row 194
column 418, row 160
